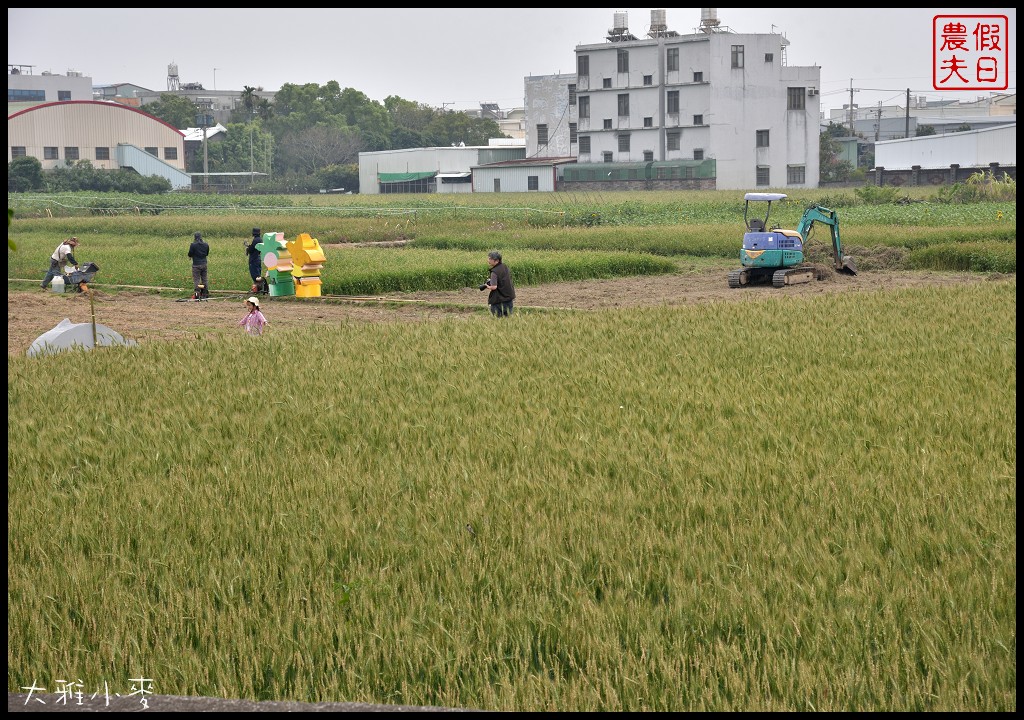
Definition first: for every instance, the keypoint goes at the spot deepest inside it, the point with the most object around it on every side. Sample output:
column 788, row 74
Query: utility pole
column 206, row 155
column 852, row 133
column 906, row 133
column 252, row 166
column 878, row 123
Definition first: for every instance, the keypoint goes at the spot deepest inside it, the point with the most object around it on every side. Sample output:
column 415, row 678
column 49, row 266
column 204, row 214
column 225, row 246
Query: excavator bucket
column 847, row 266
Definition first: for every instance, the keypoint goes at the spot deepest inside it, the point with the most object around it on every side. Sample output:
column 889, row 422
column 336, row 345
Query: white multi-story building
column 24, row 86
column 710, row 95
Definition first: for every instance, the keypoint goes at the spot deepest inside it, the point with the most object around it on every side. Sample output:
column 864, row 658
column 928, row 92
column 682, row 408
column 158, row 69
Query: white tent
column 67, row 335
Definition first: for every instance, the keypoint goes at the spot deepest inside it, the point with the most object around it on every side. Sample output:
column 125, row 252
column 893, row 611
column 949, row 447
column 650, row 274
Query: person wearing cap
column 254, row 259
column 499, row 283
column 199, row 251
column 61, row 260
column 254, row 320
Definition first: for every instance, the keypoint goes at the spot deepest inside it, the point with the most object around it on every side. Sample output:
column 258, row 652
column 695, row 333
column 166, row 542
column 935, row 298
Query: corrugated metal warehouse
column 971, row 148
column 532, row 175
column 417, row 169
column 109, row 135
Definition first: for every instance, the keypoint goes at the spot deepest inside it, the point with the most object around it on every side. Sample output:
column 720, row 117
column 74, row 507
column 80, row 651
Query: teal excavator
column 777, row 255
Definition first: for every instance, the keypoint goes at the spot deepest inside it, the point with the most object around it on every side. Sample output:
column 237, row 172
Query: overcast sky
column 448, row 57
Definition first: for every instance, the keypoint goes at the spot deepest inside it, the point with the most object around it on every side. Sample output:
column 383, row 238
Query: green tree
column 243, row 148
column 453, row 128
column 173, row 110
column 344, row 176
column 923, row 130
column 24, row 174
column 830, row 167
column 836, row 131
column 408, row 115
column 962, row 127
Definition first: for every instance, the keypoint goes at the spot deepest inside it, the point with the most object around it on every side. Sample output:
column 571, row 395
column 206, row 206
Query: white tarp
column 66, row 335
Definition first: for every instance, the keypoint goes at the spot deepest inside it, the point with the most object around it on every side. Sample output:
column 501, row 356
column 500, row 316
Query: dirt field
column 148, row 317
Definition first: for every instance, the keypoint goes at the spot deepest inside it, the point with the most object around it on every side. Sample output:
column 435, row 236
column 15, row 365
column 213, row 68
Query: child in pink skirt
column 254, row 320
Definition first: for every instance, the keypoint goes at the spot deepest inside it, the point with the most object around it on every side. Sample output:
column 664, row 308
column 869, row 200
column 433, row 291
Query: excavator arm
column 821, row 214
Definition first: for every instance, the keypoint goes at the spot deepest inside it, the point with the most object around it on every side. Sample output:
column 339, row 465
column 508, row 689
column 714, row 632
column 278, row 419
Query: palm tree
column 249, row 99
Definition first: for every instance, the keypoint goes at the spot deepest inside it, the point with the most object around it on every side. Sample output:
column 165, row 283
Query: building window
column 584, row 144
column 170, row 153
column 26, row 95
column 796, row 96
column 762, row 175
column 70, row 153
column 152, row 151
column 583, row 65
column 607, row 123
column 737, row 56
column 672, row 59
column 584, row 106
column 607, row 156
column 102, row 153
column 572, row 133
column 648, row 156
column 795, row 175
column 769, row 57
column 606, row 83
column 624, row 142
column 572, row 93
column 532, row 183
column 624, row 105
column 648, row 80
column 623, row 57
column 63, row 95
column 673, row 140
column 648, row 122
column 698, row 77
column 688, row 172
column 17, row 151
column 50, row 153
column 698, row 153
column 673, row 102
column 762, row 138
column 698, row 119
column 542, row 134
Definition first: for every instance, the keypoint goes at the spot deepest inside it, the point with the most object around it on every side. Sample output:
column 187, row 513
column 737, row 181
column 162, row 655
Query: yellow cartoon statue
column 307, row 259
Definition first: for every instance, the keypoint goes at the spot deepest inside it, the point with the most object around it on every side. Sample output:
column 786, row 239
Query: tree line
column 309, row 138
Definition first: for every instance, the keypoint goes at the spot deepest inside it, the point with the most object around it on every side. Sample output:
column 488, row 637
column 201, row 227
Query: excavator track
column 749, row 276
column 738, row 278
column 793, row 276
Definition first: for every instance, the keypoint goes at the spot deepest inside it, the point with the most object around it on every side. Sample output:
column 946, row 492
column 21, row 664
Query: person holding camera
column 499, row 282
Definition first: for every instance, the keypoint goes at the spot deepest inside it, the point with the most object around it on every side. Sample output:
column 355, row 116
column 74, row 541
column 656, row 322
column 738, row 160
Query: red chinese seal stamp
column 970, row 52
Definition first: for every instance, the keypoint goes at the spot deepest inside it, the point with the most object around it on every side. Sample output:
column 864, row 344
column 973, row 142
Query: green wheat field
column 784, row 505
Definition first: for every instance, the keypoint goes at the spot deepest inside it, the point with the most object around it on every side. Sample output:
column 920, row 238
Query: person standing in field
column 254, row 320
column 255, row 270
column 199, row 251
column 61, row 259
column 499, row 282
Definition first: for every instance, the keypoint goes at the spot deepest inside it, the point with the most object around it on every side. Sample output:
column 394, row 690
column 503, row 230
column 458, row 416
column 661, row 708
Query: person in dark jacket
column 499, row 282
column 199, row 251
column 254, row 260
